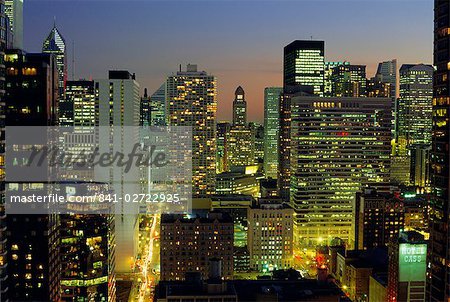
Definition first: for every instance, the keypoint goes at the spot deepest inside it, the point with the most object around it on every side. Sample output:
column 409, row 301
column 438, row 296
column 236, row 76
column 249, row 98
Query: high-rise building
column 387, row 73
column 56, row 45
column 81, row 95
column 192, row 101
column 258, row 133
column 303, row 73
column 14, row 12
column 271, row 125
column 414, row 116
column 379, row 217
column 328, row 72
column 145, row 110
column 349, row 81
column 407, row 268
column 270, row 235
column 240, row 144
column 237, row 183
column 304, row 65
column 117, row 103
column 188, row 244
column 239, row 108
column 438, row 286
column 158, row 107
column 338, row 146
column 31, row 100
column 87, row 245
column 222, row 133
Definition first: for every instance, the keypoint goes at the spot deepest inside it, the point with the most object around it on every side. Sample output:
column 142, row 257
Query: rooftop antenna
column 54, row 21
column 311, row 37
column 180, row 67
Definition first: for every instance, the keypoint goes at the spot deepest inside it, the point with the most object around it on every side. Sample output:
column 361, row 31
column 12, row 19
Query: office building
column 87, row 246
column 387, row 73
column 270, row 235
column 378, row 287
column 158, row 107
column 237, row 183
column 304, row 65
column 328, row 72
column 354, row 269
column 79, row 106
column 338, row 146
column 31, row 100
column 239, row 108
column 407, row 268
column 117, row 103
column 240, row 146
column 258, row 134
column 192, row 101
column 56, row 45
column 379, row 217
column 303, row 73
column 145, row 110
column 222, row 134
column 414, row 116
column 271, row 125
column 188, row 244
column 14, row 12
column 438, row 284
column 349, row 81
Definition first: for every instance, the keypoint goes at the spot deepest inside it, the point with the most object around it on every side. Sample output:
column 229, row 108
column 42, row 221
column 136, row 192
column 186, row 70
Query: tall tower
column 271, row 125
column 303, row 72
column 14, row 12
column 191, row 98
column 415, row 104
column 239, row 108
column 438, row 283
column 304, row 65
column 55, row 44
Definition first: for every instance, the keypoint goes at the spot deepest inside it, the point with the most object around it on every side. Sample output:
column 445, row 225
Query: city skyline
column 240, row 45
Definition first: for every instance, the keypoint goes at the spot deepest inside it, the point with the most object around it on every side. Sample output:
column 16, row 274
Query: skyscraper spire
column 56, row 44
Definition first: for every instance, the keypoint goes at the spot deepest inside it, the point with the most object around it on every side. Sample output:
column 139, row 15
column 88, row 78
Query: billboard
column 412, row 262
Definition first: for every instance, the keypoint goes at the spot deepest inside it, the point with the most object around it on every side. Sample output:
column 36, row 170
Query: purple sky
column 241, row 42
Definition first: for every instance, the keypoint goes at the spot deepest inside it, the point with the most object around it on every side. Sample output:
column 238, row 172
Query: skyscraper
column 14, row 12
column 81, row 97
column 55, row 44
column 349, row 81
column 438, row 286
column 271, row 125
column 191, row 98
column 31, row 100
column 304, row 65
column 303, row 73
column 158, row 107
column 387, row 73
column 328, row 72
column 240, row 144
column 117, row 103
column 414, row 107
column 338, row 146
column 239, row 108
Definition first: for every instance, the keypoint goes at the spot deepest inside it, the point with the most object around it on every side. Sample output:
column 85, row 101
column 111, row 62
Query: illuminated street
column 149, row 262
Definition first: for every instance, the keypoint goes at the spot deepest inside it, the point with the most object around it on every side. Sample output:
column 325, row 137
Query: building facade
column 192, row 101
column 438, row 286
column 239, row 108
column 188, row 244
column 338, row 146
column 270, row 235
column 271, row 125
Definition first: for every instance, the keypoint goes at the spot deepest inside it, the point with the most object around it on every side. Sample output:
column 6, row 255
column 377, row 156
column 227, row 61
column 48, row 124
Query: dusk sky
column 240, row 42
